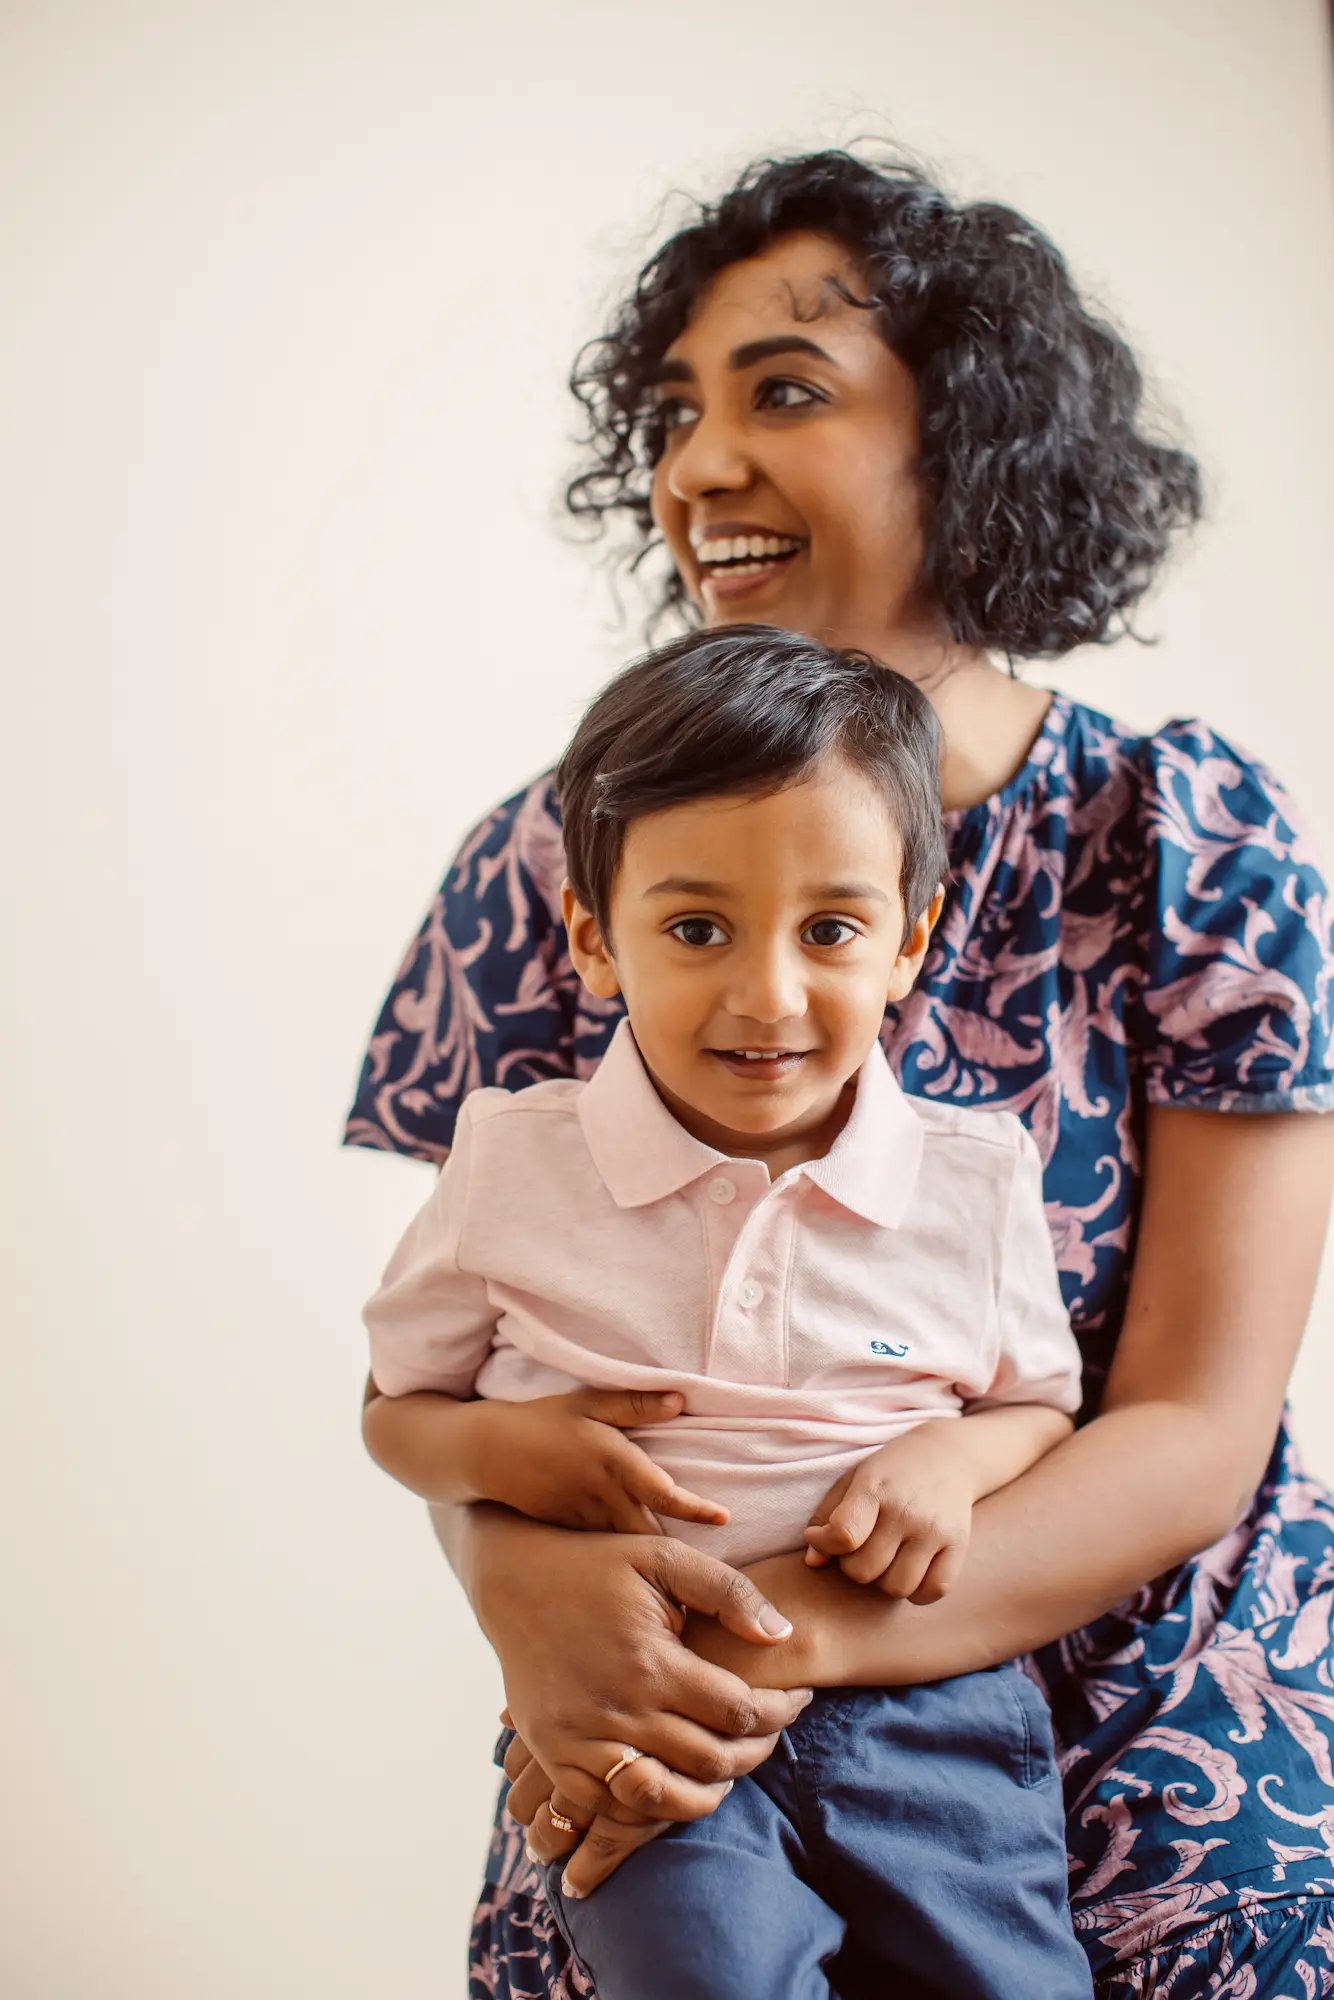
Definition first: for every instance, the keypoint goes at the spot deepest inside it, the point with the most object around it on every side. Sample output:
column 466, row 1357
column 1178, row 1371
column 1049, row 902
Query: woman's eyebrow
column 746, row 356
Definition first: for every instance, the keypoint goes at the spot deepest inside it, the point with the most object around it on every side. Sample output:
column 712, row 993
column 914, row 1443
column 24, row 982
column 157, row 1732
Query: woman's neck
column 990, row 721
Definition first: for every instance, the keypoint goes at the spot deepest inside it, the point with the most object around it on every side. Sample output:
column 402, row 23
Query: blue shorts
column 904, row 1841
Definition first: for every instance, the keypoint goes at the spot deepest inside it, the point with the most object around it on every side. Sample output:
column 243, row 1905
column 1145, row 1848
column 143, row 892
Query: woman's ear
column 913, row 949
column 589, row 952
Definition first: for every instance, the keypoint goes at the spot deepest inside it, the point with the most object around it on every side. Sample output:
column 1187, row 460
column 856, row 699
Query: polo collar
column 643, row 1154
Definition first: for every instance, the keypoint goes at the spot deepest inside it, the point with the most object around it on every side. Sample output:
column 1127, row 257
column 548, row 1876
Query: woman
column 846, row 406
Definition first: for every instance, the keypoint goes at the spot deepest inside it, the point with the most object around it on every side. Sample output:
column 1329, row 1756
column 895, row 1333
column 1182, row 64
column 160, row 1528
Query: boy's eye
column 828, row 931
column 698, row 931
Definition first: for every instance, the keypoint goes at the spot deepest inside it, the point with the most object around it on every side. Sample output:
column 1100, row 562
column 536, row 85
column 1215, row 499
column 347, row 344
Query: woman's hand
column 588, row 1628
column 596, row 1846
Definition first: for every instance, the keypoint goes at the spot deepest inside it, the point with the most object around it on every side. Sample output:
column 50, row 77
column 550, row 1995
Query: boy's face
column 756, row 942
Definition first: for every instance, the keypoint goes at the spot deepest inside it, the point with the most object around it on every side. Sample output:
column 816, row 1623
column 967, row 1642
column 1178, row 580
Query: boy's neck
column 778, row 1152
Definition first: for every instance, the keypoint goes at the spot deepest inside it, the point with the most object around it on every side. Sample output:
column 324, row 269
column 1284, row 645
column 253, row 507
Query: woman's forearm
column 1135, row 1493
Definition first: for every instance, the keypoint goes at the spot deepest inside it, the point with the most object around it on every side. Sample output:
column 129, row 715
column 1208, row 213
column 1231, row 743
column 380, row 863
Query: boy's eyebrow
column 745, row 356
column 815, row 892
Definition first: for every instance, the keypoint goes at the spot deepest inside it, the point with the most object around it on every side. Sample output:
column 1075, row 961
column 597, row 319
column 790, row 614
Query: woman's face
column 787, row 490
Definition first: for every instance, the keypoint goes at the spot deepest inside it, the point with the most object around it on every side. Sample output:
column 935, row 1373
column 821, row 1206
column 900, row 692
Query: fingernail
column 567, row 1888
column 532, row 1853
column 774, row 1623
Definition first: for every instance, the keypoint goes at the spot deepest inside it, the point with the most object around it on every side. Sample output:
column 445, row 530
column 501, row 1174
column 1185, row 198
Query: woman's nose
column 710, row 458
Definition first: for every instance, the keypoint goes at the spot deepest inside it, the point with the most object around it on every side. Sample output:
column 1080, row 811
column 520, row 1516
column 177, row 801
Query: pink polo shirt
column 579, row 1235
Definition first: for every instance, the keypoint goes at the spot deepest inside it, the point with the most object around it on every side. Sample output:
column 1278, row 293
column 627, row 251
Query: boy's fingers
column 629, row 1409
column 941, row 1576
column 628, row 1515
column 876, row 1553
column 848, row 1526
column 909, row 1566
column 683, row 1505
column 831, row 1499
column 648, row 1483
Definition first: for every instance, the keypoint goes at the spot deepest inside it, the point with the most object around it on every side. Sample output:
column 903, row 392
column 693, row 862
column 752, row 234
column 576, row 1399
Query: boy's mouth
column 760, row 1065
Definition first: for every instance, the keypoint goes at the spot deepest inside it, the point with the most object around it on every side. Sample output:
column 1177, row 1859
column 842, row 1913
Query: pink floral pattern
column 1133, row 921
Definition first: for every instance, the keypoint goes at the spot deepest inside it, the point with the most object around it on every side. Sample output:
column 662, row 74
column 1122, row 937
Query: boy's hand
column 565, row 1459
column 901, row 1519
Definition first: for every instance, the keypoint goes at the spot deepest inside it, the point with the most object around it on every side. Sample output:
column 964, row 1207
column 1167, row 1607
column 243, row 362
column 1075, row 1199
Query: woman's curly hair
column 1049, row 506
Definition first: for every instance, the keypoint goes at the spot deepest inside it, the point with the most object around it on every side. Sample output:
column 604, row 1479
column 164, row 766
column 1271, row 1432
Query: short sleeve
column 485, row 993
column 1234, row 1013
column 431, row 1323
column 1038, row 1358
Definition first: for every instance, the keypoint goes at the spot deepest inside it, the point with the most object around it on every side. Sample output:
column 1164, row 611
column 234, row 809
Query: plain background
column 291, row 290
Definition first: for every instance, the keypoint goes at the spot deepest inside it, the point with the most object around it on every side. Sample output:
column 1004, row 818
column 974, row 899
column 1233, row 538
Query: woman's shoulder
column 1181, row 780
column 521, row 834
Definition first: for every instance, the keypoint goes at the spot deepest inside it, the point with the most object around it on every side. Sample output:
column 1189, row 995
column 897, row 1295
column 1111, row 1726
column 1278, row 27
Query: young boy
column 852, row 1293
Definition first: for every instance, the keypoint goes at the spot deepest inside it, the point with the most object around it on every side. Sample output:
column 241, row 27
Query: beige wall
column 291, row 291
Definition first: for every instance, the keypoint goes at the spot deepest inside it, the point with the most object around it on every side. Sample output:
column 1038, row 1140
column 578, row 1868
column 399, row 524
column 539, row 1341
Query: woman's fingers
column 546, row 1841
column 718, row 1700
column 603, row 1848
column 648, row 1787
column 517, row 1757
column 528, row 1791
column 702, row 1583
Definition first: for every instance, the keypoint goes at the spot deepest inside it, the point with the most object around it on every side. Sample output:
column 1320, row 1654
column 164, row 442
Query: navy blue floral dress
column 1133, row 921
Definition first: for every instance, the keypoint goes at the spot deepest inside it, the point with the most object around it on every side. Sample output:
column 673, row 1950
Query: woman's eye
column 780, row 393
column 698, row 931
column 828, row 931
column 672, row 414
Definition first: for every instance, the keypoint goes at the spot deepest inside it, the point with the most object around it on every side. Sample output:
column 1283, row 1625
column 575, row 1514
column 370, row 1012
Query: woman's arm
column 1233, row 1222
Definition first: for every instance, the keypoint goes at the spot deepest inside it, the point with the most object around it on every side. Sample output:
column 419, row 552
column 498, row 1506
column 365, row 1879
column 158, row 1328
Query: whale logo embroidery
column 884, row 1347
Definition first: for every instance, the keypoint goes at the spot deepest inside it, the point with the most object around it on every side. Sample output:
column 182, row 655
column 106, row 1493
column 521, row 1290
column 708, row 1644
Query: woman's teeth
column 745, row 554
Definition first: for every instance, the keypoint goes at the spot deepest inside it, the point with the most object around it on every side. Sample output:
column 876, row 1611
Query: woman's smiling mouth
column 735, row 559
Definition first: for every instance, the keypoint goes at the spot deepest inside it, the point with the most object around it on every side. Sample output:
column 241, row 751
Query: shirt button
column 721, row 1191
column 751, row 1294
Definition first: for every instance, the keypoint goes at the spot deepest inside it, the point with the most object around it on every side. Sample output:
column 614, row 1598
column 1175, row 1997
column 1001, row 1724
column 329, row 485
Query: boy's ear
column 588, row 949
column 913, row 949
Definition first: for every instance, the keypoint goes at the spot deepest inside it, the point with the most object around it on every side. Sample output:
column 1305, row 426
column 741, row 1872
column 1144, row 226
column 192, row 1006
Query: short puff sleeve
column 1234, row 1010
column 485, row 993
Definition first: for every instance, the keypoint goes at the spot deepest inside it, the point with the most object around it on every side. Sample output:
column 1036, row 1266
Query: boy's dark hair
column 1051, row 501
column 747, row 710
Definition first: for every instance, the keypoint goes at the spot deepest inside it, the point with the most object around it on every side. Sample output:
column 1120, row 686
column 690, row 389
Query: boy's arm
column 995, row 1445
column 432, row 1444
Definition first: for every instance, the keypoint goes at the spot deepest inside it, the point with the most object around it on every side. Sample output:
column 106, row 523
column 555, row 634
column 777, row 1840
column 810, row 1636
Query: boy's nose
column 767, row 988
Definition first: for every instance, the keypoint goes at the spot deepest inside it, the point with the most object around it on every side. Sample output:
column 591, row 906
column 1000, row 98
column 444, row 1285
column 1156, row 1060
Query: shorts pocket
column 1037, row 1751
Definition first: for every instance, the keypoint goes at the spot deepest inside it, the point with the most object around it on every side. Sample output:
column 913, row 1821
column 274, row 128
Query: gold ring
column 630, row 1757
column 559, row 1821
